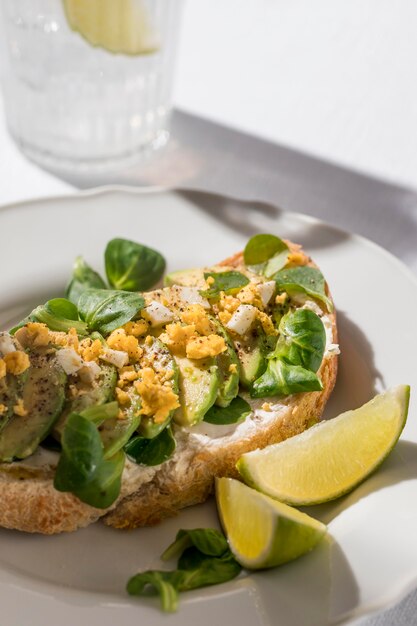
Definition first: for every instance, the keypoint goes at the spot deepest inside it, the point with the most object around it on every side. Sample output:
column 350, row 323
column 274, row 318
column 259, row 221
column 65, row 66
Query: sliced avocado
column 162, row 359
column 43, row 397
column 228, row 363
column 87, row 396
column 11, row 388
column 116, row 432
column 185, row 278
column 198, row 387
column 251, row 351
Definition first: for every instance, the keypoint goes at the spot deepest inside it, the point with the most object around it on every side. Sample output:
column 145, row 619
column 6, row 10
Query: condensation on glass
column 70, row 104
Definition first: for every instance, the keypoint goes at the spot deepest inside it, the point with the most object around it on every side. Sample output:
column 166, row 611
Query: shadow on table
column 208, row 156
column 316, row 589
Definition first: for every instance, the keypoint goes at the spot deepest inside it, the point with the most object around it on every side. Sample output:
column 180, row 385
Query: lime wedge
column 120, row 26
column 332, row 457
column 263, row 532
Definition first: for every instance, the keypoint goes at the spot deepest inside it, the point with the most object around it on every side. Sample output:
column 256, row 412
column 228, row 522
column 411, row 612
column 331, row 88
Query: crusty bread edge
column 33, row 505
column 164, row 497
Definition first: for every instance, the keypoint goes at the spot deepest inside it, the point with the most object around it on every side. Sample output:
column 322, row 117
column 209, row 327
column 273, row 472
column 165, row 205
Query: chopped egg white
column 192, row 295
column 119, row 358
column 69, row 360
column 266, row 291
column 6, row 344
column 89, row 372
column 242, row 319
column 157, row 314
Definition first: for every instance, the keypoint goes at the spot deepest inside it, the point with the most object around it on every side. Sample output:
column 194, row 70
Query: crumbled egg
column 250, row 295
column 266, row 323
column 158, row 399
column 3, row 369
column 34, row 335
column 118, row 340
column 16, row 362
column 195, row 314
column 3, row 409
column 122, row 397
column 228, row 303
column 66, row 340
column 176, row 337
column 90, row 350
column 137, row 328
column 202, row 347
column 19, row 408
column 157, row 314
column 297, row 258
column 242, row 319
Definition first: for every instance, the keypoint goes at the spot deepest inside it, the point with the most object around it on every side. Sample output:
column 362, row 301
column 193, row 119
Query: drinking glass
column 87, row 84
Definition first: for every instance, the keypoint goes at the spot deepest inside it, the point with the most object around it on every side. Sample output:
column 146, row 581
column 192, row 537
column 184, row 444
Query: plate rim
column 368, row 610
column 103, row 190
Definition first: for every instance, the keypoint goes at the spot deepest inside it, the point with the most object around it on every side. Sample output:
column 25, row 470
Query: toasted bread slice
column 188, row 477
column 149, row 494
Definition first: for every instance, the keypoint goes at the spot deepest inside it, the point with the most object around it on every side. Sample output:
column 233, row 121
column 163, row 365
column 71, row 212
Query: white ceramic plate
column 370, row 560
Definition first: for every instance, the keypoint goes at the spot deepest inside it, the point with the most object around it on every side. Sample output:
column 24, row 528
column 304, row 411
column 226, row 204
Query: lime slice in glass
column 261, row 531
column 332, row 457
column 119, row 26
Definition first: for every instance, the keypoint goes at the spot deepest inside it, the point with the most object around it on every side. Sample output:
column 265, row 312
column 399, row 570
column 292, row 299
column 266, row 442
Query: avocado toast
column 127, row 405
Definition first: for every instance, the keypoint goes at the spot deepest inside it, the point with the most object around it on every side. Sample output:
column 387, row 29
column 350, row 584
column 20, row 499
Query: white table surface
column 332, row 79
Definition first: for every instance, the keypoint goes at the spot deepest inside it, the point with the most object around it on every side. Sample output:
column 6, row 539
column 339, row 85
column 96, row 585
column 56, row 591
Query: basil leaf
column 302, row 339
column 105, row 309
column 236, row 412
column 151, row 451
column 164, row 583
column 304, row 279
column 229, row 282
column 83, row 277
column 82, row 453
column 282, row 379
column 209, row 541
column 58, row 314
column 205, row 560
column 82, row 469
column 265, row 254
column 132, row 266
column 201, row 570
column 297, row 356
column 105, row 486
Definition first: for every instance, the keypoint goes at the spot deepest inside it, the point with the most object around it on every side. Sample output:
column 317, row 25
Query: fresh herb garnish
column 303, row 279
column 208, row 540
column 236, row 412
column 292, row 366
column 58, row 314
column 132, row 266
column 266, row 254
column 204, row 559
column 230, row 282
column 83, row 277
column 151, row 451
column 105, row 310
column 82, row 468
